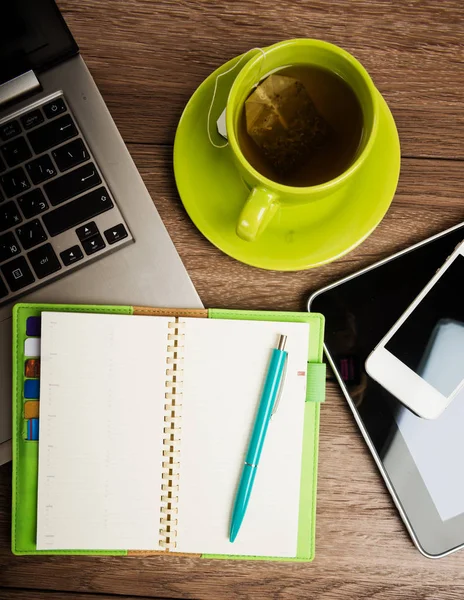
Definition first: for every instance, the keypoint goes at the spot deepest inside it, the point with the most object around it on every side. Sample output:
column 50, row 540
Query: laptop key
column 9, row 130
column 86, row 231
column 116, row 233
column 72, row 184
column 70, row 155
column 51, row 134
column 54, row 108
column 41, row 169
column 14, row 182
column 44, row 261
column 94, row 244
column 77, row 211
column 71, row 255
column 17, row 273
column 33, row 118
column 9, row 216
column 30, row 234
column 32, row 203
column 3, row 289
column 2, row 165
column 16, row 151
column 9, row 247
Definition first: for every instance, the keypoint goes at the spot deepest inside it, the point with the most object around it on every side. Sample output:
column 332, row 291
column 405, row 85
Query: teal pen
column 267, row 407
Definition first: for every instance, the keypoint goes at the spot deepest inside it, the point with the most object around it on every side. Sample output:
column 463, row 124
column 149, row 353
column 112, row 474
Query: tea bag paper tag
column 221, row 122
column 221, row 125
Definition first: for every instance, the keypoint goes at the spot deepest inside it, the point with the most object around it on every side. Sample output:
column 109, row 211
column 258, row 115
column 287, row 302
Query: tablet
column 420, row 460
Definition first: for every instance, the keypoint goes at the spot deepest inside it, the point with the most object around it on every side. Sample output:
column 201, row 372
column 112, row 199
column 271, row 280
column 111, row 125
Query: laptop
column 77, row 224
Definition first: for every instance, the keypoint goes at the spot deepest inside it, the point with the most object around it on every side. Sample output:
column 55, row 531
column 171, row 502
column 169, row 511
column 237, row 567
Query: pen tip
column 233, row 533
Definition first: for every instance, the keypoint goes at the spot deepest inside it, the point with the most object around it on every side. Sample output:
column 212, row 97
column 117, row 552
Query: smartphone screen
column 431, row 340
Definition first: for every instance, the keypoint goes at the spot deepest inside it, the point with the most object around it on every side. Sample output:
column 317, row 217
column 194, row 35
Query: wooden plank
column 350, row 590
column 18, row 594
column 148, row 57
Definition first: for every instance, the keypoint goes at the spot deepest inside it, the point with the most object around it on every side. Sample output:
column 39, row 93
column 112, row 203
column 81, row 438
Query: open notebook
column 143, row 429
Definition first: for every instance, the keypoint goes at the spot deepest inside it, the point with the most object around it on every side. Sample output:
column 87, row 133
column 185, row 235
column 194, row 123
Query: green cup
column 266, row 196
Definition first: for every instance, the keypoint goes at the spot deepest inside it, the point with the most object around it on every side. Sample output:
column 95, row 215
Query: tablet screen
column 437, row 447
column 421, row 459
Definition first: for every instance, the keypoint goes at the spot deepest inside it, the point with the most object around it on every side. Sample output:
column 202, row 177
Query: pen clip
column 281, row 386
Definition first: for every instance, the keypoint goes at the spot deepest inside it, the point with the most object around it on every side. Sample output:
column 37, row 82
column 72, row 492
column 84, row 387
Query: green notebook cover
column 25, row 452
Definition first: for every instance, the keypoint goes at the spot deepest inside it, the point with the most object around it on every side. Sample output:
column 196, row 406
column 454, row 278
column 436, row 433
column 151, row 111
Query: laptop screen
column 33, row 35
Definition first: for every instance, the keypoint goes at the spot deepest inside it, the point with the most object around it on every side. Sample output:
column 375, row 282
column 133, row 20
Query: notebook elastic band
column 315, row 383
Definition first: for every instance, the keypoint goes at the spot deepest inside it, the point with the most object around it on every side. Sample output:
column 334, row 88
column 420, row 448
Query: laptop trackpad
column 5, row 380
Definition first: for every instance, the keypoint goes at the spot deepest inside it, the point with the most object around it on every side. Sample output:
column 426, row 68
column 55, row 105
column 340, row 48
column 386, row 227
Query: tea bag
column 282, row 120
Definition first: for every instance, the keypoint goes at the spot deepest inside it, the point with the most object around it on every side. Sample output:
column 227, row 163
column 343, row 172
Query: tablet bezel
column 433, row 537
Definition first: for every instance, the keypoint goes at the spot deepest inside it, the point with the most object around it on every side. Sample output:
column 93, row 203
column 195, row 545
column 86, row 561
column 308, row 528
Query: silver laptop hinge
column 19, row 86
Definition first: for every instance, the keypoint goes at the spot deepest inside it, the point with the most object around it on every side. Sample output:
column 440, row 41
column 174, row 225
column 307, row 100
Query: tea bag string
column 208, row 123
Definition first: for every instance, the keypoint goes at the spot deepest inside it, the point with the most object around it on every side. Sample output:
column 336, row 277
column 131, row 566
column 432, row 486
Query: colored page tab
column 32, row 347
column 33, row 326
column 31, row 409
column 32, row 368
column 33, row 429
column 31, row 388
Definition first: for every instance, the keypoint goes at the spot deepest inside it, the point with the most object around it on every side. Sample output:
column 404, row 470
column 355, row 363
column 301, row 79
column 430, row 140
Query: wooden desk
column 147, row 58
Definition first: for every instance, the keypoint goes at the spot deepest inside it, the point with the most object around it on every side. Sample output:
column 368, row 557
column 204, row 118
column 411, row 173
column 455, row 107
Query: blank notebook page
column 225, row 364
column 101, row 431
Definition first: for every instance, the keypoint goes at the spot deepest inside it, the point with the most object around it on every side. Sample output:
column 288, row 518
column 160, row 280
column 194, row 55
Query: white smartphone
column 421, row 359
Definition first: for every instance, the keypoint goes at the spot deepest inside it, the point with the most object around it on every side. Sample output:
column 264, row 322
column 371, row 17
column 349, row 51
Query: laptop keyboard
column 56, row 211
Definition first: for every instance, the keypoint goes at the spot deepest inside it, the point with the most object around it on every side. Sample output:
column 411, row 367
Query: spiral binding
column 172, row 429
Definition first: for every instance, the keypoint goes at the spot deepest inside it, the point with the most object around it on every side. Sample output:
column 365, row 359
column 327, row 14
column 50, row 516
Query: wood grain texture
column 150, row 56
column 147, row 58
column 12, row 594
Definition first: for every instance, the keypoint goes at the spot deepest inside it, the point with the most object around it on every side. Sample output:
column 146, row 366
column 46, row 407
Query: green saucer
column 298, row 237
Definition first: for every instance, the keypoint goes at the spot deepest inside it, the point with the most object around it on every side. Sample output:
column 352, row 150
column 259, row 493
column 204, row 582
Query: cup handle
column 260, row 207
